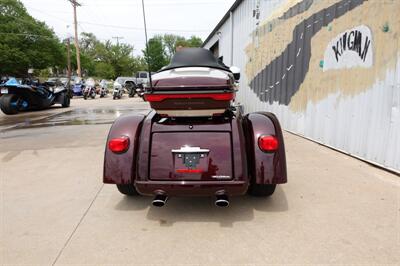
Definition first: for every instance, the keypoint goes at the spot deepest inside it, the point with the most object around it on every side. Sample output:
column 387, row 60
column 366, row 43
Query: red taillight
column 119, row 145
column 214, row 96
column 268, row 143
column 189, row 171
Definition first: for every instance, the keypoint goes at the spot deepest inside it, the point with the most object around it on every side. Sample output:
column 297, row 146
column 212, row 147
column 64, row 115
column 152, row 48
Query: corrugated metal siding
column 365, row 123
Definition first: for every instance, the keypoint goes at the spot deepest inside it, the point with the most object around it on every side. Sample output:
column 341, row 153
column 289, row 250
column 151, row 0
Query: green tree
column 105, row 59
column 25, row 42
column 194, row 41
column 118, row 56
column 104, row 70
column 87, row 62
column 155, row 53
column 171, row 41
column 88, row 43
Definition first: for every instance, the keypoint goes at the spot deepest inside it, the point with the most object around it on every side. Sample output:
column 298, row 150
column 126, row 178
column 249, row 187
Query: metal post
column 147, row 47
column 69, row 65
column 118, row 37
column 231, row 37
column 78, row 57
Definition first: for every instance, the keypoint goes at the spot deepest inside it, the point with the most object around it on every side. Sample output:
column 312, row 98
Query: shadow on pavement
column 202, row 209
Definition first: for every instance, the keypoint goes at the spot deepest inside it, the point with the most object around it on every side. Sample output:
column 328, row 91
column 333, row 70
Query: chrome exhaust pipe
column 222, row 201
column 159, row 200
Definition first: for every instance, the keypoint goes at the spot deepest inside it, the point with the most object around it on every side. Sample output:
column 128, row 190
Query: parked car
column 60, row 81
column 3, row 80
column 31, row 95
column 195, row 142
column 65, row 81
column 142, row 78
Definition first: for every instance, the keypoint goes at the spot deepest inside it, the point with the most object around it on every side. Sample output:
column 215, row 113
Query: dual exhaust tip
column 160, row 200
column 221, row 200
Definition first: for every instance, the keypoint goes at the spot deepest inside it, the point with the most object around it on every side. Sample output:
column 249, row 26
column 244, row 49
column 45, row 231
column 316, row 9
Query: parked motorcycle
column 130, row 88
column 103, row 88
column 90, row 89
column 195, row 141
column 78, row 87
column 140, row 91
column 31, row 95
column 118, row 90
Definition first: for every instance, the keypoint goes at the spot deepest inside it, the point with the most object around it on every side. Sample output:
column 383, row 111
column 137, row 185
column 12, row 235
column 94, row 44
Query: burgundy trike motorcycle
column 195, row 142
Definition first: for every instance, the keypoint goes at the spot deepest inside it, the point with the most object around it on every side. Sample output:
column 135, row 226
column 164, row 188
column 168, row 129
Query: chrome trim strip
column 187, row 149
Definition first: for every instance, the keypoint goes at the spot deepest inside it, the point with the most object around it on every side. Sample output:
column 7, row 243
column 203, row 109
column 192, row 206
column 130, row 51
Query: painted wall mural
column 318, row 47
column 352, row 48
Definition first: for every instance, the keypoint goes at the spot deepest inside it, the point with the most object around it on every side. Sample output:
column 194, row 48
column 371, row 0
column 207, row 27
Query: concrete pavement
column 55, row 210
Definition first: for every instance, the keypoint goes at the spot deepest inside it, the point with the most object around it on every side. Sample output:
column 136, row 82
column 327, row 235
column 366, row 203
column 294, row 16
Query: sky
column 124, row 18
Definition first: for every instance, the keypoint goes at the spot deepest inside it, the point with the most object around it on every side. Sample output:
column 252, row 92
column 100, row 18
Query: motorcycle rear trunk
column 191, row 91
column 191, row 157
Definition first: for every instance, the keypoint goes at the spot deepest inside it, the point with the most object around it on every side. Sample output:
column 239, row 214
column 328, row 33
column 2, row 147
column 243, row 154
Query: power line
column 140, row 29
column 120, row 27
column 51, row 15
column 159, row 4
column 102, row 18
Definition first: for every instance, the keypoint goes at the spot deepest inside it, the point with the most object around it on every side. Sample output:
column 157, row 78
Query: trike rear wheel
column 261, row 190
column 127, row 189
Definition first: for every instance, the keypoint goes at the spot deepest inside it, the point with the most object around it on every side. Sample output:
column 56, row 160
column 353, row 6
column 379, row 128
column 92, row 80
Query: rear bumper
column 191, row 188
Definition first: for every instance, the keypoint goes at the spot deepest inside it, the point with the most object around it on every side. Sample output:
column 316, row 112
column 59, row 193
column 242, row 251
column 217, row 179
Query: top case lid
column 194, row 57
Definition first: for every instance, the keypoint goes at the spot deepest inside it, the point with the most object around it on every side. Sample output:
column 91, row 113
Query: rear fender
column 121, row 168
column 264, row 168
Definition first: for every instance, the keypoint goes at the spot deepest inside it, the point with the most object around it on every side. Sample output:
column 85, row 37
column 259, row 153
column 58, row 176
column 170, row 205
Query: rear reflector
column 119, row 145
column 268, row 143
column 214, row 96
column 189, row 171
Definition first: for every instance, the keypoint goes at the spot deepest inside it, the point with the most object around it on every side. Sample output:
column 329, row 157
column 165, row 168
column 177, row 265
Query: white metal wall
column 365, row 124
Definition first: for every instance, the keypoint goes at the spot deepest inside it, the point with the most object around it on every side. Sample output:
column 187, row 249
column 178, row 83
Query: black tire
column 130, row 87
column 261, row 190
column 127, row 189
column 6, row 106
column 85, row 97
column 132, row 93
column 66, row 100
column 114, row 97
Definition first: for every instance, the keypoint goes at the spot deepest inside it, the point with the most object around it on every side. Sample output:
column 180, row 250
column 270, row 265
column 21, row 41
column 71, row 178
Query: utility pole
column 118, row 37
column 69, row 64
column 147, row 47
column 69, row 57
column 78, row 57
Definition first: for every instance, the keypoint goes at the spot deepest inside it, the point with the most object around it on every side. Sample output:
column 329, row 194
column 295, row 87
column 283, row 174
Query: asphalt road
column 55, row 209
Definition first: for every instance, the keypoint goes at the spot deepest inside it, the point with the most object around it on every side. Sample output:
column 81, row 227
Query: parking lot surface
column 55, row 210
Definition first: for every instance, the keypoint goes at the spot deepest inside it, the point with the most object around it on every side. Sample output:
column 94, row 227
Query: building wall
column 329, row 69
